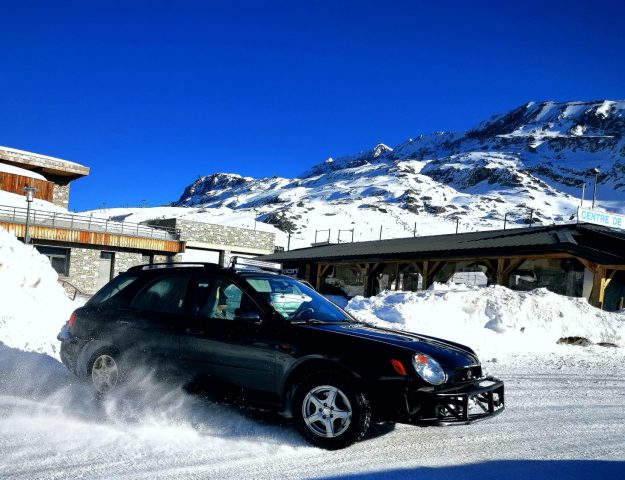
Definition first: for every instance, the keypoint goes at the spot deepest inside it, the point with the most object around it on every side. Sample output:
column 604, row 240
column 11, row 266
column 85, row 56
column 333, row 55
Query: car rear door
column 148, row 329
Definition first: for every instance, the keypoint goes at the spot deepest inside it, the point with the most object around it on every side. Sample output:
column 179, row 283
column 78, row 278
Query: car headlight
column 428, row 369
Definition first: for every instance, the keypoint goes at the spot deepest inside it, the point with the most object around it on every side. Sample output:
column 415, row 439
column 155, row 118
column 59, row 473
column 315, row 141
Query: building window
column 565, row 277
column 59, row 258
column 347, row 280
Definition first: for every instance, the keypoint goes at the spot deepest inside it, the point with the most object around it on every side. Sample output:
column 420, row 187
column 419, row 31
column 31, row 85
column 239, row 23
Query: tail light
column 72, row 320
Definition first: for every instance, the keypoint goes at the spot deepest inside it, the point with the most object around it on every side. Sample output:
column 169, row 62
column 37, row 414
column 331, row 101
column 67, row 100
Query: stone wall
column 220, row 234
column 60, row 195
column 125, row 260
column 84, row 267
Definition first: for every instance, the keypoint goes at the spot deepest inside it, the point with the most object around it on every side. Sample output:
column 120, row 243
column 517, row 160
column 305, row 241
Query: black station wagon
column 278, row 343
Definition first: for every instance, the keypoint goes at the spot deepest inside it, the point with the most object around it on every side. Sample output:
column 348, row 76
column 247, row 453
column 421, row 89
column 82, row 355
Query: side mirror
column 248, row 315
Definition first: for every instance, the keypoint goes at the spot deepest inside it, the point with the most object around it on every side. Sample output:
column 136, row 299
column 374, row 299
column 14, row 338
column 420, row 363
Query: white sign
column 612, row 220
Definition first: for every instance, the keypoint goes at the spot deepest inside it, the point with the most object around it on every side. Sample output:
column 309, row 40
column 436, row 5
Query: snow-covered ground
column 565, row 415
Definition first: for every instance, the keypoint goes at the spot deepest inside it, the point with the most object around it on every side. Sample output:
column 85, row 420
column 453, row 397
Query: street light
column 595, row 171
column 29, row 191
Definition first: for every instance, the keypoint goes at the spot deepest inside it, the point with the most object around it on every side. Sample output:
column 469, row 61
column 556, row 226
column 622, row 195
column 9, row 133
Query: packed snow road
column 565, row 418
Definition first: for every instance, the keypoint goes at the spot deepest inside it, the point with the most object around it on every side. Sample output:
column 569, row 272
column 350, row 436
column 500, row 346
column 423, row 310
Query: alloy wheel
column 326, row 411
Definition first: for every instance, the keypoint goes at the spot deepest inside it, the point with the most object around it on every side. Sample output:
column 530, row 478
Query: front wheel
column 330, row 410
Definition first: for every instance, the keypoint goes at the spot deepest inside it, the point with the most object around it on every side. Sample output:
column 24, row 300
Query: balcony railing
column 69, row 221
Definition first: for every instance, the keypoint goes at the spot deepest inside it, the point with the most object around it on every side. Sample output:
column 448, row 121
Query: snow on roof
column 46, row 162
column 20, row 171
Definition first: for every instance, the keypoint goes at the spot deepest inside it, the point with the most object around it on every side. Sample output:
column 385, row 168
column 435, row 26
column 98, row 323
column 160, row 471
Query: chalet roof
column 593, row 242
column 42, row 164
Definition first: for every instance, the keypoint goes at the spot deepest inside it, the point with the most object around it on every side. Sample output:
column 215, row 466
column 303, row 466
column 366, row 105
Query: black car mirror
column 247, row 315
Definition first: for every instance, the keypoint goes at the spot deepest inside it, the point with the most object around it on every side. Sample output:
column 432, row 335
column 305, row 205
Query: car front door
column 224, row 336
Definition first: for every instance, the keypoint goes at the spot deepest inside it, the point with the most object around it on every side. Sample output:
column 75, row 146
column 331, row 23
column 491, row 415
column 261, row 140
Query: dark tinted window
column 165, row 295
column 112, row 289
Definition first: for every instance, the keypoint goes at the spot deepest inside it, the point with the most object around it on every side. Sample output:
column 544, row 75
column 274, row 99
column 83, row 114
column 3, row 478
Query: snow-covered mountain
column 534, row 158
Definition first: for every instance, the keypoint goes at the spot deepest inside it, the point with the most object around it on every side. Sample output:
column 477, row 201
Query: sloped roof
column 593, row 242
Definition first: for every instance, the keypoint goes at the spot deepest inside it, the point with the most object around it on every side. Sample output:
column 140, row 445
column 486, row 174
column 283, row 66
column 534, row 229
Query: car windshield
column 295, row 301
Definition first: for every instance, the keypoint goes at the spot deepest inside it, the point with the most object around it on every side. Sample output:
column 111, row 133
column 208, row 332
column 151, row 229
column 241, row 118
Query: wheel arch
column 88, row 351
column 307, row 366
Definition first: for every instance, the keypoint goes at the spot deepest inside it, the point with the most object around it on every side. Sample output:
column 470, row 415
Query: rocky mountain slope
column 529, row 162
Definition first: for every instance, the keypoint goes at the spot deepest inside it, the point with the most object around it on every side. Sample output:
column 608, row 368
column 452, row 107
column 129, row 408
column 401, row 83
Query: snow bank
column 33, row 306
column 496, row 321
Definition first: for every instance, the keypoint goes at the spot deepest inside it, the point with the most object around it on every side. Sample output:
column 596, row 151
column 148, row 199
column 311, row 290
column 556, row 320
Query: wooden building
column 578, row 260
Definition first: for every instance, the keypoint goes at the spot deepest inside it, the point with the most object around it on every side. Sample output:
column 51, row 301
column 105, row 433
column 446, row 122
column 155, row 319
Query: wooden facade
column 98, row 239
column 10, row 182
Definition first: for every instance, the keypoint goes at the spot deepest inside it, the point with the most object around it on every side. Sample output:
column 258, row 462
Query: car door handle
column 193, row 331
column 123, row 322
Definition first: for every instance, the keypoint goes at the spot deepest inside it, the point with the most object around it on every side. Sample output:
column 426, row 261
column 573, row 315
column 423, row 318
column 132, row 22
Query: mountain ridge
column 532, row 158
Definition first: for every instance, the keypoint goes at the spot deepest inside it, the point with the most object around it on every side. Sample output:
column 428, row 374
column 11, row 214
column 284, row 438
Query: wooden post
column 501, row 276
column 365, row 280
column 426, row 275
column 397, row 276
column 318, row 282
column 307, row 273
column 598, row 287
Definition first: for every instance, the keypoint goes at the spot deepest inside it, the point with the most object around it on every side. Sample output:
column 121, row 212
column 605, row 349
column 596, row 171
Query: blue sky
column 151, row 94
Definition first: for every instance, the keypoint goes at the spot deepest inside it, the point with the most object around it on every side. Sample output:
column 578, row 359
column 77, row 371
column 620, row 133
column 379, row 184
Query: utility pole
column 414, row 232
column 505, row 220
column 380, row 232
column 531, row 216
column 288, row 244
column 457, row 223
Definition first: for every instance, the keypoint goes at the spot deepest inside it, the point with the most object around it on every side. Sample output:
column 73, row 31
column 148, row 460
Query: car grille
column 466, row 374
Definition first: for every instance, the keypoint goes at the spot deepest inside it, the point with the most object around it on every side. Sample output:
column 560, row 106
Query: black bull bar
column 457, row 405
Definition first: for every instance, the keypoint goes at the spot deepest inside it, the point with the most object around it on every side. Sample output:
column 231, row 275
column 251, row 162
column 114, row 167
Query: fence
column 86, row 223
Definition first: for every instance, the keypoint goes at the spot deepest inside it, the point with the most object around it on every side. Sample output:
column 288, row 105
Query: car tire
column 330, row 410
column 103, row 371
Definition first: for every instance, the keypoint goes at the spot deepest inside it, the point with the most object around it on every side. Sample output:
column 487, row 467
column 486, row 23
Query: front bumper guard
column 456, row 405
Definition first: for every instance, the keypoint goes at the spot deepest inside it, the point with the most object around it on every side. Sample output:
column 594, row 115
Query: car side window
column 165, row 295
column 220, row 298
column 112, row 290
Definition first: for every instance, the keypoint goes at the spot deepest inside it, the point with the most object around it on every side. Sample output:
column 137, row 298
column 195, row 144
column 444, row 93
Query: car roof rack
column 238, row 262
column 154, row 266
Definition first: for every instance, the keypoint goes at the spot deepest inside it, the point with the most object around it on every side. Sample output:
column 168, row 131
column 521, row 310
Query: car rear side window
column 112, row 289
column 165, row 295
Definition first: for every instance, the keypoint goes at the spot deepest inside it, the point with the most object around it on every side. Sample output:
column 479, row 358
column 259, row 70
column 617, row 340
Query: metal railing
column 71, row 290
column 86, row 223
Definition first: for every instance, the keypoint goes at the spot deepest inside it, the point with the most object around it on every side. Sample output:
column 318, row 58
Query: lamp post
column 595, row 172
column 29, row 191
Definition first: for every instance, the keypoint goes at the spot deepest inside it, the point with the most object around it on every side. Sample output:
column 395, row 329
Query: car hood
column 448, row 354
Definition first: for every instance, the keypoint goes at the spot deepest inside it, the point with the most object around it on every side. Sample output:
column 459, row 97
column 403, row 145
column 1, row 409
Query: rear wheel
column 104, row 372
column 330, row 410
